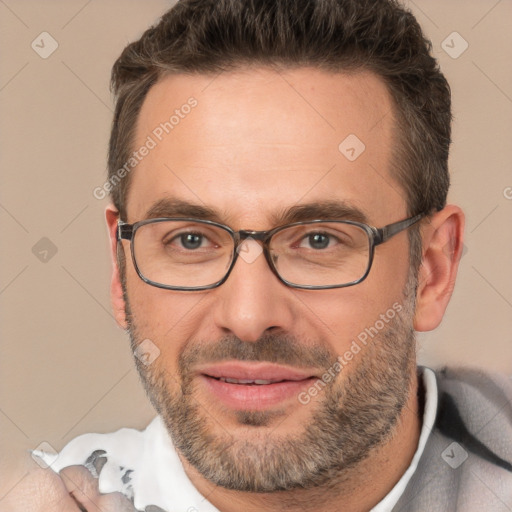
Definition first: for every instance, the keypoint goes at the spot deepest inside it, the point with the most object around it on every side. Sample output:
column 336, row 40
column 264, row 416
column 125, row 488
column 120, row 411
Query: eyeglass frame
column 376, row 236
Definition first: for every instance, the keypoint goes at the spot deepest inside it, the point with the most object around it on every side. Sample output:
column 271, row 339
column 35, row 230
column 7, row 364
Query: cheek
column 169, row 319
column 390, row 270
column 343, row 315
column 339, row 315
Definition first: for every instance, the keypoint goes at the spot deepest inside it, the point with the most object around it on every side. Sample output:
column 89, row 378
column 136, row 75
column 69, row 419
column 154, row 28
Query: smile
column 241, row 385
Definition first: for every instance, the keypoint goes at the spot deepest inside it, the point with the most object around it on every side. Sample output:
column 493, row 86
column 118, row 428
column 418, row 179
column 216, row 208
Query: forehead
column 249, row 143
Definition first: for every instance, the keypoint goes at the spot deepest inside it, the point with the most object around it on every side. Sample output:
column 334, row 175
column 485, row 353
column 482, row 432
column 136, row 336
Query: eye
column 191, row 240
column 318, row 240
column 187, row 240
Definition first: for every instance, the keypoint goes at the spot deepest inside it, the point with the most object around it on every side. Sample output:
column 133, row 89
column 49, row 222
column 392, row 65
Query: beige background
column 65, row 367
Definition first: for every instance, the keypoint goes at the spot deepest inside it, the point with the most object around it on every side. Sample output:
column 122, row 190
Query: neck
column 357, row 489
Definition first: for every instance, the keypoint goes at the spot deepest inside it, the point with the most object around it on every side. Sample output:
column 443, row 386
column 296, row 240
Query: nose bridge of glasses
column 244, row 234
column 250, row 252
column 248, row 248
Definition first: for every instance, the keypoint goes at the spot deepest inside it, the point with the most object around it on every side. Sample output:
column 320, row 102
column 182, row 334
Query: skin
column 74, row 489
column 271, row 140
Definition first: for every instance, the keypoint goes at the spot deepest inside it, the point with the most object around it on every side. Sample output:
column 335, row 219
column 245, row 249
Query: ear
column 116, row 290
column 442, row 249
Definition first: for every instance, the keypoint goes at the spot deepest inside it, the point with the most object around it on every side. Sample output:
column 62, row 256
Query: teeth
column 245, row 381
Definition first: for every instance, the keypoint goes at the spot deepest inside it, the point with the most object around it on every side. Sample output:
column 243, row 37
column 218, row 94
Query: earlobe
column 442, row 249
column 116, row 290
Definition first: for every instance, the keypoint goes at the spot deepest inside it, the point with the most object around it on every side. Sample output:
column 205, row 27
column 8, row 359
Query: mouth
column 254, row 386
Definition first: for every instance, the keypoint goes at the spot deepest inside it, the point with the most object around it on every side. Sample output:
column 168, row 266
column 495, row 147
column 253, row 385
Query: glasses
column 189, row 254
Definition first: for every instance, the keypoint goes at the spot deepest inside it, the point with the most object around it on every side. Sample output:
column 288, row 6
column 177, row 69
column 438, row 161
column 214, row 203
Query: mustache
column 282, row 349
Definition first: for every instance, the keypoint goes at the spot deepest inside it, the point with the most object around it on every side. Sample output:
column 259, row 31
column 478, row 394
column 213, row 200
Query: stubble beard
column 358, row 412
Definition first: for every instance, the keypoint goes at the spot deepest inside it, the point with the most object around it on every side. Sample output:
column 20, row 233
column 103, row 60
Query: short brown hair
column 210, row 36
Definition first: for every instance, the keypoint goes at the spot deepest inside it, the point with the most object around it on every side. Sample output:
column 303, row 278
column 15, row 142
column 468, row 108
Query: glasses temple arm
column 385, row 233
column 124, row 231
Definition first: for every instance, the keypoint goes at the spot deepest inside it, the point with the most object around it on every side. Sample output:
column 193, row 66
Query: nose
column 252, row 301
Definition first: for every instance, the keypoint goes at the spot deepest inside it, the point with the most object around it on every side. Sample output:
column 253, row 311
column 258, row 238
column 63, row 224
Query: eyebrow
column 171, row 207
column 327, row 209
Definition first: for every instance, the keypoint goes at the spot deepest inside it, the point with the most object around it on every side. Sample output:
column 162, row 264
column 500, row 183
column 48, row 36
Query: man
column 279, row 231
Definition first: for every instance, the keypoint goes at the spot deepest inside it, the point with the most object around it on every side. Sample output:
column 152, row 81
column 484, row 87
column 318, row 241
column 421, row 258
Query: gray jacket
column 467, row 462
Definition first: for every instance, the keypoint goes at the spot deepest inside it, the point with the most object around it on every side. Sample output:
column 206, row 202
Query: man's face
column 257, row 144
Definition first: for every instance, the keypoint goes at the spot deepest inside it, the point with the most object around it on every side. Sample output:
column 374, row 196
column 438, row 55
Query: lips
column 253, row 386
column 239, row 370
